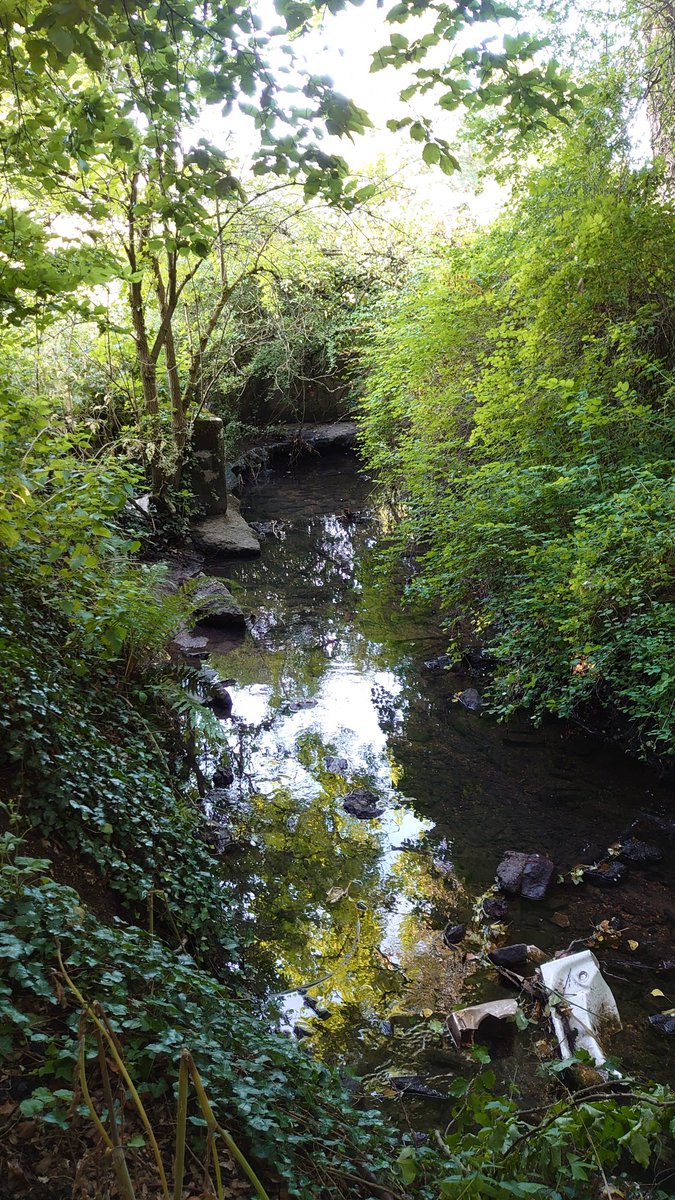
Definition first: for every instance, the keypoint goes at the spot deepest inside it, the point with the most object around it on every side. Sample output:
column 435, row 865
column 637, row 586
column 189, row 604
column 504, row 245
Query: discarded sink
column 583, row 1008
column 464, row 1024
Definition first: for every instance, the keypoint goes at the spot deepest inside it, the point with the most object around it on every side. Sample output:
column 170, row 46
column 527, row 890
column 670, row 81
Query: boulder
column 362, row 804
column 528, row 875
column 226, row 536
column 470, row 699
column 216, row 606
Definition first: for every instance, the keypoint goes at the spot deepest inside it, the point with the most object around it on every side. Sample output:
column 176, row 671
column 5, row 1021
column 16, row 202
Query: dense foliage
column 519, row 404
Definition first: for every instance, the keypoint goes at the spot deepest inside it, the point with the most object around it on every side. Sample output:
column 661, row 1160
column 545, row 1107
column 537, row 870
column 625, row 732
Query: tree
column 101, row 102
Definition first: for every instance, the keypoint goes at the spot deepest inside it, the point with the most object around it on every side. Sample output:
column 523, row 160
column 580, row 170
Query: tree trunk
column 659, row 29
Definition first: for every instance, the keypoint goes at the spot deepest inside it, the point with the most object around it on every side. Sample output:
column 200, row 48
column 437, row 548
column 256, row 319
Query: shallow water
column 334, row 666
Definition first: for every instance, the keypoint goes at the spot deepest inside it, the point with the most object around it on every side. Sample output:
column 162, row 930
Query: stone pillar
column 207, row 475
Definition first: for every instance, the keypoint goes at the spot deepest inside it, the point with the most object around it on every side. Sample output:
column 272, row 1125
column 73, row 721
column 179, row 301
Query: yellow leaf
column 632, row 945
column 657, row 992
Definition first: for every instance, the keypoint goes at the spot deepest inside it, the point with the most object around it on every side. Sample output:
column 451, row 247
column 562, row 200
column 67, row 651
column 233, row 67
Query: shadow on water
column 331, row 693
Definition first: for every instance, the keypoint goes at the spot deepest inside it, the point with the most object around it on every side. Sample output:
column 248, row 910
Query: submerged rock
column 414, row 1085
column 223, row 776
column 220, row 700
column 452, row 934
column 606, row 874
column 639, row 853
column 663, row 1023
column 470, row 699
column 495, row 909
column 335, row 764
column 522, row 874
column 362, row 804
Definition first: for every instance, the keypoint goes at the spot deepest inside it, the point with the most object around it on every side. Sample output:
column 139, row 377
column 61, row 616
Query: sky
column 342, row 47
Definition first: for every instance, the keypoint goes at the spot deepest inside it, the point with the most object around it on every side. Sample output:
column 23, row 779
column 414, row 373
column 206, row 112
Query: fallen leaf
column 561, row 919
column 632, row 945
column 657, row 992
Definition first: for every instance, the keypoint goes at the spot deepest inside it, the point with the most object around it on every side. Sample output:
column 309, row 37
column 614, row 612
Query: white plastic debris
column 583, row 1007
column 465, row 1023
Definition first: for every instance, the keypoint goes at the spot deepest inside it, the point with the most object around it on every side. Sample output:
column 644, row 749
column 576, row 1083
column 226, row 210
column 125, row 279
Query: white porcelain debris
column 583, row 1007
column 465, row 1023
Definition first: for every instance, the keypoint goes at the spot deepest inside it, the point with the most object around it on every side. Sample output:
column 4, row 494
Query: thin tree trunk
column 146, row 365
column 659, row 30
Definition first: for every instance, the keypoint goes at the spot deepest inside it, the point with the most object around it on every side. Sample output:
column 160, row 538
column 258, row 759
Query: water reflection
column 334, row 669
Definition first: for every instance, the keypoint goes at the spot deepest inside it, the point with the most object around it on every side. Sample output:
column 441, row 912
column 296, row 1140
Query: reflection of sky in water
column 346, row 719
column 321, row 634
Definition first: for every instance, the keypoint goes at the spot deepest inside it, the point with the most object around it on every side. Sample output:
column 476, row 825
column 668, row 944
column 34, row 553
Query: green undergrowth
column 96, row 772
column 291, row 1111
column 519, row 407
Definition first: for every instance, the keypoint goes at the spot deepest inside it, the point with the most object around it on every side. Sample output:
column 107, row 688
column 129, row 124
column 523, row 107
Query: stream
column 330, row 693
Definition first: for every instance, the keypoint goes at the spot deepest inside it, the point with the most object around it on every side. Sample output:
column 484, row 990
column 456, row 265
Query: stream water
column 331, row 692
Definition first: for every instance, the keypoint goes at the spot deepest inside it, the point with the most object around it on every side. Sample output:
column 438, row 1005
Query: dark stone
column 414, row 1085
column 452, row 934
column 220, row 700
column 470, row 699
column 495, row 909
column 220, row 837
column 509, row 956
column 207, row 475
column 537, row 875
column 651, row 823
column 216, row 606
column 639, row 853
column 223, row 777
column 663, row 1023
column 322, row 1013
column 528, row 875
column 606, row 874
column 362, row 804
column 444, row 662
column 299, row 705
column 335, row 764
column 442, row 860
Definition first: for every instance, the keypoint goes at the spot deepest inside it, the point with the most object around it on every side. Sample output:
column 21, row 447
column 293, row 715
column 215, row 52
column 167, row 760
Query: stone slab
column 227, row 536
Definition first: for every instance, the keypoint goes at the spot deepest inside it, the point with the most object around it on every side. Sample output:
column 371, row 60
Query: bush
column 519, row 403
